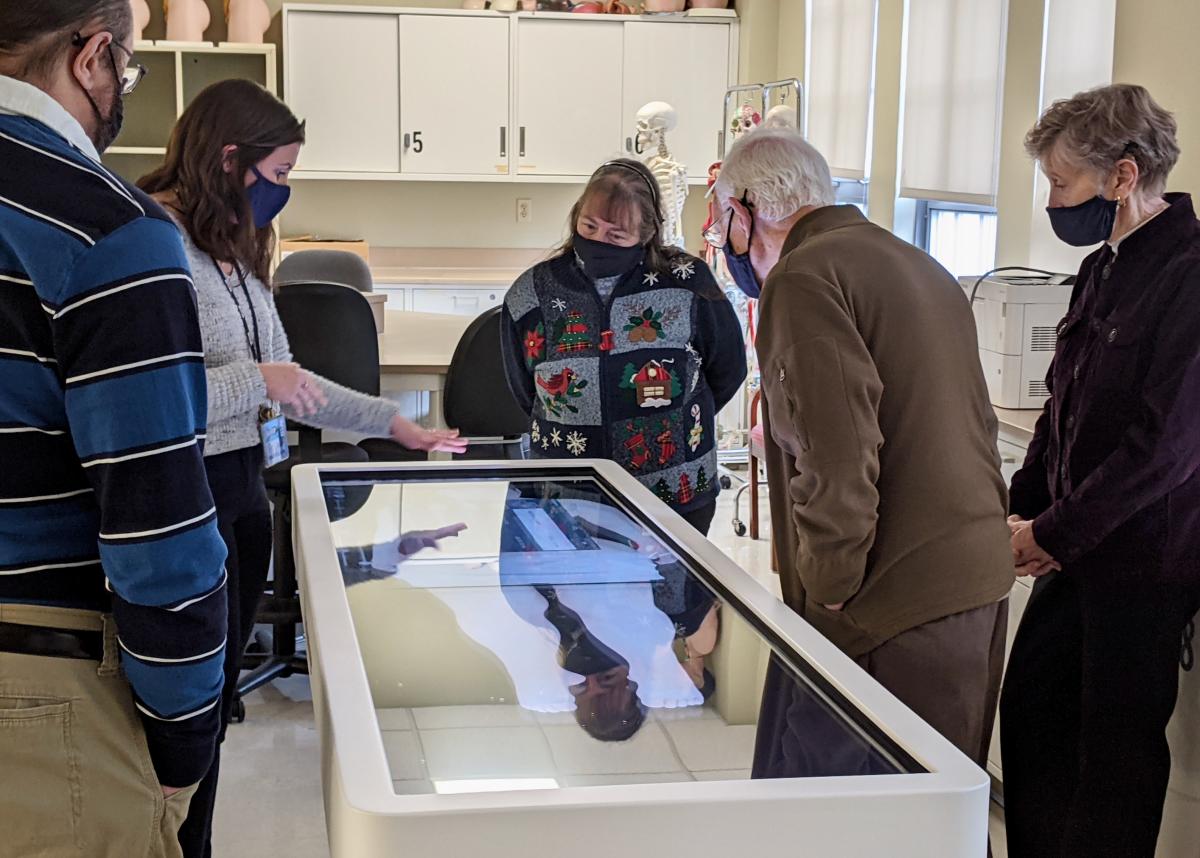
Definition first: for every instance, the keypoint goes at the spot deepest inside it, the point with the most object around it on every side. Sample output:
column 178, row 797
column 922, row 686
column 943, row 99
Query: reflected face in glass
column 607, row 705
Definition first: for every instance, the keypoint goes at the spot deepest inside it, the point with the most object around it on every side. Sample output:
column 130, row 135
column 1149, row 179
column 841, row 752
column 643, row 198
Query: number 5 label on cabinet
column 453, row 93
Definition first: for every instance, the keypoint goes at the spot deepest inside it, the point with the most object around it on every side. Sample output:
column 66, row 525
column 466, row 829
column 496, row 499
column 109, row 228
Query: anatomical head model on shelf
column 248, row 20
column 654, row 120
column 186, row 20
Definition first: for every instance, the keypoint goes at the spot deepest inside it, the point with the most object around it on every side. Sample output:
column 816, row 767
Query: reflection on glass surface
column 533, row 634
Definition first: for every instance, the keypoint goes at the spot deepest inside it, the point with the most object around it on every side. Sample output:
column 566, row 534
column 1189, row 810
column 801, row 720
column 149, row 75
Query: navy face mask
column 602, row 260
column 267, row 199
column 739, row 265
column 1086, row 224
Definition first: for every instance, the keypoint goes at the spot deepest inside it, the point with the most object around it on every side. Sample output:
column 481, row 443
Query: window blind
column 840, row 78
column 954, row 73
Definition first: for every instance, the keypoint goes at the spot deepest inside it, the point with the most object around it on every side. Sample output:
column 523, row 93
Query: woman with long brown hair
column 223, row 181
column 620, row 347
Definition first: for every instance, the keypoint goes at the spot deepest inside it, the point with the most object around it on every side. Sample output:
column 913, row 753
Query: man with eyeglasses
column 112, row 581
column 881, row 442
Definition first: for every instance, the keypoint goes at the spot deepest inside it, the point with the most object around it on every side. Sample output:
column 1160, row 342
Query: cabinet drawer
column 397, row 296
column 463, row 302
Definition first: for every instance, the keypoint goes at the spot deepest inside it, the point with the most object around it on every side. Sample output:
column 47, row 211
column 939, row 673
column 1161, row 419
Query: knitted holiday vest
column 620, row 379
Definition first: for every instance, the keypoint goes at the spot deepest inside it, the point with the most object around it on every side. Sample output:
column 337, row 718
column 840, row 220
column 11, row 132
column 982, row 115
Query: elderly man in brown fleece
column 886, row 494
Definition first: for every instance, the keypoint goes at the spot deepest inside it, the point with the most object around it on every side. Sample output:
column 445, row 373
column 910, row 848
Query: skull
column 654, row 120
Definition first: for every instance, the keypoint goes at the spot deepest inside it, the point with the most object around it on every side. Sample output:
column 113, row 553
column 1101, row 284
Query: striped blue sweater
column 104, row 502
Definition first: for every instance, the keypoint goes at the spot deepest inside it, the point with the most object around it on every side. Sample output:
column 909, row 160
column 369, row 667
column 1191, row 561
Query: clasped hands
column 1029, row 557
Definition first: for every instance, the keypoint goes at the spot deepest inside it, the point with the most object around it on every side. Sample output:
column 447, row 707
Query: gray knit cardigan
column 236, row 389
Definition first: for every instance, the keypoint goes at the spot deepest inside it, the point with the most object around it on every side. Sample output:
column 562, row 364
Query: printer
column 1016, row 321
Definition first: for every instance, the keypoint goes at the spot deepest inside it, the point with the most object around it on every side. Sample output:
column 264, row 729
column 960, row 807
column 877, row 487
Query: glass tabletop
column 535, row 632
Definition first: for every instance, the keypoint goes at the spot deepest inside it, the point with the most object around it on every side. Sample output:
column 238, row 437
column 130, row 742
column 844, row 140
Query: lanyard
column 254, row 345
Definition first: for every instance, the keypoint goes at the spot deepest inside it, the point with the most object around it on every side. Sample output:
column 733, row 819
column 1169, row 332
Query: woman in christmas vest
column 622, row 348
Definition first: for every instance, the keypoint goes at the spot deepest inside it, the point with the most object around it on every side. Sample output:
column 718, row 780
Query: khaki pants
column 75, row 773
column 949, row 673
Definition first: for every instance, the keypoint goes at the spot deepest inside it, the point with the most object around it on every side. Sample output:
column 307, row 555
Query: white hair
column 780, row 170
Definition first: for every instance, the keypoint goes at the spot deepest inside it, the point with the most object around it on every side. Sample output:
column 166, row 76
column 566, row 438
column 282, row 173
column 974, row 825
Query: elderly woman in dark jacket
column 1107, row 505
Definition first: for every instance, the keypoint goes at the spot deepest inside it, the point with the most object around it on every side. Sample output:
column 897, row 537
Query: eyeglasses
column 717, row 235
column 134, row 72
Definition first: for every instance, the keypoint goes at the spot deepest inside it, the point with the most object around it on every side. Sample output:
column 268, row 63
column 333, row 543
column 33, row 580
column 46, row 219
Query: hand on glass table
column 386, row 556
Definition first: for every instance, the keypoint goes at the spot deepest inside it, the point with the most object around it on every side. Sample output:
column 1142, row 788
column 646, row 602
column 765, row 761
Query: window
column 851, row 192
column 961, row 238
column 840, row 80
column 953, row 86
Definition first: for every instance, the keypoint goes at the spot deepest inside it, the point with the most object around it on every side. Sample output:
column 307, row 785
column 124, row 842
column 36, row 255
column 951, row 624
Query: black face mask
column 108, row 127
column 1086, row 224
column 602, row 260
column 741, row 269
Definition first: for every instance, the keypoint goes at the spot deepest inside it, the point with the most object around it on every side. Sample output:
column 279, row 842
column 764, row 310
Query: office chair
column 325, row 266
column 477, row 400
column 332, row 333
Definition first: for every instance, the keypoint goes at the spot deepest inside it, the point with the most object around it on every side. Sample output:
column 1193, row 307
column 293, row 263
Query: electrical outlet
column 524, row 211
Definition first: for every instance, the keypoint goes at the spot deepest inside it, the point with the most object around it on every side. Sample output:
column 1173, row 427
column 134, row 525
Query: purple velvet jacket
column 1112, row 479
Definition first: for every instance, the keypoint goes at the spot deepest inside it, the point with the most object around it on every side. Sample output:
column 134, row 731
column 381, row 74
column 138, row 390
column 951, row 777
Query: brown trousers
column 75, row 774
column 949, row 672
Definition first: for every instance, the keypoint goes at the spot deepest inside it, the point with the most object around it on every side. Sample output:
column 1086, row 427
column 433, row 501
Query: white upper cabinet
column 343, row 77
column 454, row 95
column 686, row 65
column 568, row 95
column 445, row 95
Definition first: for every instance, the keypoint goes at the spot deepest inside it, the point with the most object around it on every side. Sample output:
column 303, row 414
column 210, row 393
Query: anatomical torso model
column 248, row 20
column 186, row 20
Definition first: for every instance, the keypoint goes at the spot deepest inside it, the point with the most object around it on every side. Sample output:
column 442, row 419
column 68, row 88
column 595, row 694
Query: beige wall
column 1156, row 47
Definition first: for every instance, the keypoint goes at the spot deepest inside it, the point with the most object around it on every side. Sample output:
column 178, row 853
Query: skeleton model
column 653, row 122
column 186, row 20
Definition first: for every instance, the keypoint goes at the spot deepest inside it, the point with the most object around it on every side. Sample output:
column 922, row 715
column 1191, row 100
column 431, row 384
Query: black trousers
column 244, row 519
column 701, row 517
column 1091, row 684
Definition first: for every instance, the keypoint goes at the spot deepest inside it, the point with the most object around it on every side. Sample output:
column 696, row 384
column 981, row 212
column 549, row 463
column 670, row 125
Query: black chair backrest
column 325, row 266
column 332, row 333
column 477, row 400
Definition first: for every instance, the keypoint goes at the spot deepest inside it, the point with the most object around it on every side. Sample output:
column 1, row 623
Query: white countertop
column 419, row 343
column 481, row 266
column 416, row 275
column 1019, row 423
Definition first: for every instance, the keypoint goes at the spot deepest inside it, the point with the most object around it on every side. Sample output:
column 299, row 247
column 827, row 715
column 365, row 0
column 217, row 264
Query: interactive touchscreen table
column 541, row 658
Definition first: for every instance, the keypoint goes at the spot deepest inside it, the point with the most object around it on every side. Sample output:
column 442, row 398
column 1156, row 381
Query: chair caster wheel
column 739, row 527
column 238, row 716
column 726, row 482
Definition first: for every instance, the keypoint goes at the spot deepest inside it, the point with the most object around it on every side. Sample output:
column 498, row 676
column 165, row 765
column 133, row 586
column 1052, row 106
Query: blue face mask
column 1086, row 224
column 267, row 199
column 739, row 265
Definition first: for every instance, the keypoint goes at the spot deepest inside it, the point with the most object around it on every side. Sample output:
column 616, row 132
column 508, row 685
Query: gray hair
column 1097, row 128
column 780, row 170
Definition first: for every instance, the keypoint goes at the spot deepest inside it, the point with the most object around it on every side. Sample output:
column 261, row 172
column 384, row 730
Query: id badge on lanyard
column 272, row 427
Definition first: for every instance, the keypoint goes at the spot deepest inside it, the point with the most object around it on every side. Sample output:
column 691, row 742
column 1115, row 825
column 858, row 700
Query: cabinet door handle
column 522, row 141
column 628, row 144
column 407, row 142
column 503, row 141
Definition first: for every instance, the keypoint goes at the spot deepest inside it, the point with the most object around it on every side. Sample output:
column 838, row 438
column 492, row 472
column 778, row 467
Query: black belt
column 55, row 643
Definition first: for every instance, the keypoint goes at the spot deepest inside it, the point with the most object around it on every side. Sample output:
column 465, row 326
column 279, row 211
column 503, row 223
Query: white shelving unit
column 177, row 72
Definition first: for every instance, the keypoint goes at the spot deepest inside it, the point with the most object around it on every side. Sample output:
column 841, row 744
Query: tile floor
column 270, row 775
